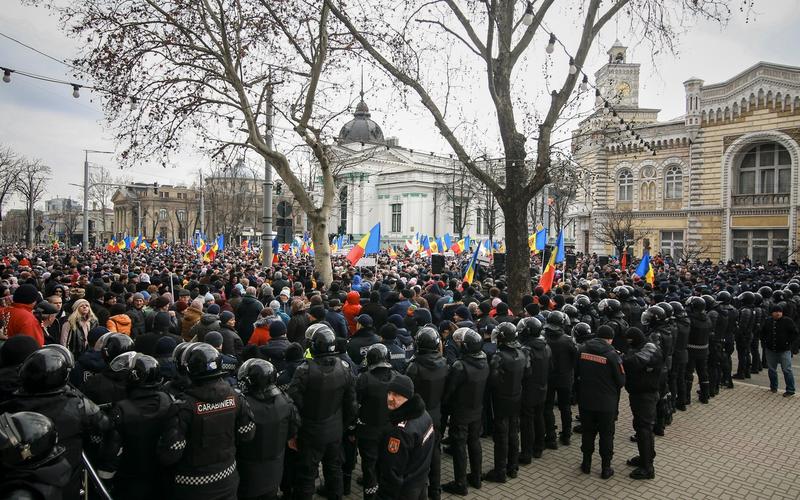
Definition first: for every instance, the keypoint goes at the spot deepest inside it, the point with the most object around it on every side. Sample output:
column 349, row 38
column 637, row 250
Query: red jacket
column 21, row 321
column 351, row 309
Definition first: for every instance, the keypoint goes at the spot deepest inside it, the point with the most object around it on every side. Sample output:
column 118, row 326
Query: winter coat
column 351, row 309
column 120, row 323
column 137, row 321
column 191, row 317
column 247, row 314
column 208, row 323
column 260, row 334
column 21, row 321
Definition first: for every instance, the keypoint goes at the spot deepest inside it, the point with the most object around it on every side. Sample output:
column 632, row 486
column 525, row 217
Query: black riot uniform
column 324, row 391
column 534, row 389
column 659, row 333
column 680, row 355
column 200, row 440
column 559, row 384
column 44, row 376
column 643, row 367
column 111, row 384
column 428, row 371
column 506, row 371
column 32, row 464
column 716, row 343
column 463, row 399
column 700, row 331
column 260, row 461
column 138, row 421
column 728, row 340
column 744, row 335
column 373, row 414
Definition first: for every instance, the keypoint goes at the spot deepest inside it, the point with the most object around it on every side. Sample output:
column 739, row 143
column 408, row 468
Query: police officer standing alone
column 600, row 379
column 506, row 371
column 200, row 441
column 323, row 390
column 260, row 461
column 643, row 367
column 406, row 450
column 428, row 371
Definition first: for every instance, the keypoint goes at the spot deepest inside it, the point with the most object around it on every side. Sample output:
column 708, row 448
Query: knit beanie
column 26, row 294
column 402, row 385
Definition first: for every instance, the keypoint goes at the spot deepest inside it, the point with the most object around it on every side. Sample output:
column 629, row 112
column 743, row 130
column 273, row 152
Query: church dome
column 361, row 128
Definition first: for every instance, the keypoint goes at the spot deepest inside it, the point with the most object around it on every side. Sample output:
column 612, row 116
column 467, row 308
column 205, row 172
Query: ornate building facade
column 721, row 181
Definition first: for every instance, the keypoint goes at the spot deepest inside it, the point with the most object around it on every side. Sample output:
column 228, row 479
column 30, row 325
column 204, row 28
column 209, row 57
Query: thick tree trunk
column 322, row 248
column 518, row 257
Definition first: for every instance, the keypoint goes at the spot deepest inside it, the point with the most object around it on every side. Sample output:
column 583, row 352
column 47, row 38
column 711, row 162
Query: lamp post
column 85, row 243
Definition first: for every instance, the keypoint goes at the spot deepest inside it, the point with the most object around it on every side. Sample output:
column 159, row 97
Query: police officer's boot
column 607, row 471
column 346, row 478
column 704, row 392
column 586, row 465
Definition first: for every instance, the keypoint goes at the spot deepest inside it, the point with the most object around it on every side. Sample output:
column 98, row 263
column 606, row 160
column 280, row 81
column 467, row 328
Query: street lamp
column 85, row 242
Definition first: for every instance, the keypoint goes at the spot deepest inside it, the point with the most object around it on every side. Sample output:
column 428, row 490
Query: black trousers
column 368, row 449
column 755, row 356
column 662, row 408
column 743, row 354
column 698, row 361
column 643, row 408
column 435, row 474
column 466, row 437
column 677, row 386
column 311, row 453
column 532, row 429
column 715, row 355
column 594, row 423
column 564, row 408
column 506, row 444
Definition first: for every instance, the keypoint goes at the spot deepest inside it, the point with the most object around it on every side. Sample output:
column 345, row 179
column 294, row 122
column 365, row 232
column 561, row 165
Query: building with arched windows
column 720, row 181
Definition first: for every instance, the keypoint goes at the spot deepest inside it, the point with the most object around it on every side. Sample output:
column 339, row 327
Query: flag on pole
column 546, row 280
column 469, row 274
column 624, row 263
column 245, row 245
column 440, row 245
column 369, row 244
column 448, row 242
column 560, row 253
column 541, row 239
column 645, row 269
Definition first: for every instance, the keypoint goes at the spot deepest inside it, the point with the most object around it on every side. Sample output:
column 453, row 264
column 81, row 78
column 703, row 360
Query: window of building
column 343, row 210
column 625, row 182
column 397, row 217
column 673, row 183
column 761, row 245
column 648, row 191
column 457, row 219
column 765, row 169
column 672, row 243
column 162, row 214
column 182, row 215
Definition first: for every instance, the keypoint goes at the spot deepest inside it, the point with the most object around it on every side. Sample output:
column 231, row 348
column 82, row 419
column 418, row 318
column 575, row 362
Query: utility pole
column 85, row 243
column 266, row 231
column 202, row 206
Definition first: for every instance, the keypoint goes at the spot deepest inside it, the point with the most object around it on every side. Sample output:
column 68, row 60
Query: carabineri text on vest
column 225, row 404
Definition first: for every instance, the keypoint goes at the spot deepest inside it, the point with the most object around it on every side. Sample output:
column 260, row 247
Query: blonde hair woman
column 75, row 332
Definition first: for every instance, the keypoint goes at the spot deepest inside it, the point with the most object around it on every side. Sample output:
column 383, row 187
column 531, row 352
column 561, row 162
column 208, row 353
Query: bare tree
column 31, row 184
column 407, row 39
column 460, row 189
column 10, row 166
column 691, row 252
column 620, row 229
column 101, row 187
column 215, row 68
column 70, row 218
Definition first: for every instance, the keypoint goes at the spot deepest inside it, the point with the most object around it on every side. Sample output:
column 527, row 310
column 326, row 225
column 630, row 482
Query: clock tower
column 618, row 80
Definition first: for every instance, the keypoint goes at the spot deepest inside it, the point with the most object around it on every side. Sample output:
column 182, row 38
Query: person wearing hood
column 406, row 450
column 278, row 311
column 600, row 378
column 118, row 321
column 405, row 338
column 90, row 361
column 191, row 316
column 643, row 363
column 274, row 351
column 208, row 323
column 397, row 352
column 12, row 353
column 428, row 371
column 351, row 309
column 167, row 368
column 376, row 310
column 232, row 344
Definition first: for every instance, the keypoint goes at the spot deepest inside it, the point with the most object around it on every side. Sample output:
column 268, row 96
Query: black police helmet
column 621, row 292
column 724, row 297
column 581, row 331
column 428, row 339
column 609, row 307
column 323, row 342
column 677, row 309
column 582, row 302
column 696, row 304
column 570, row 310
column 472, row 343
column 710, row 301
column 504, row 333
column 747, row 298
column 68, row 356
column 112, row 345
column 777, row 296
column 45, row 370
column 145, row 371
column 377, row 357
column 529, row 327
column 202, row 361
column 765, row 291
column 667, row 309
column 256, row 375
column 653, row 315
column 758, row 299
column 26, row 438
column 556, row 318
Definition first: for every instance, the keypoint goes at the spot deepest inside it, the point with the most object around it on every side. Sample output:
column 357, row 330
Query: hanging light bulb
column 527, row 19
column 134, row 104
column 605, row 108
column 572, row 68
column 6, row 75
column 76, row 91
column 551, row 45
column 230, row 123
column 584, row 84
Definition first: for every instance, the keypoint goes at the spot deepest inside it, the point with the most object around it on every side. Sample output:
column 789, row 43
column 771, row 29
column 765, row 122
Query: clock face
column 624, row 89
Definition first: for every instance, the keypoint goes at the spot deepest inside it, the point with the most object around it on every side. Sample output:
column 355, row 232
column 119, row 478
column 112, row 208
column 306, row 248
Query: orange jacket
column 19, row 320
column 120, row 323
column 351, row 309
column 260, row 335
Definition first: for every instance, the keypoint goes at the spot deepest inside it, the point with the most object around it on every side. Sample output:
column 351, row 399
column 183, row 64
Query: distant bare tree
column 10, row 165
column 100, row 190
column 620, row 229
column 31, row 184
column 691, row 252
column 460, row 189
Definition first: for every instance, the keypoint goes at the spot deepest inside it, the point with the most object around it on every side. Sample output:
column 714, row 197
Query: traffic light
column 155, row 188
column 278, row 188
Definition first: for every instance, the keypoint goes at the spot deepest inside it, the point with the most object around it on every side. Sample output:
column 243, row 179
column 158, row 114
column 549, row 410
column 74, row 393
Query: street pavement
column 745, row 444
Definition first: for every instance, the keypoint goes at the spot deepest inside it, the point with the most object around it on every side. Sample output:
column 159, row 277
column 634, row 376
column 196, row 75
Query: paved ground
column 744, row 444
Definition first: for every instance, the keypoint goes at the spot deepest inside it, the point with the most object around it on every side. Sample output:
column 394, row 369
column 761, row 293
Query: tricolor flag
column 546, row 280
column 245, row 245
column 369, row 244
column 440, row 245
column 645, row 269
column 541, row 239
column 469, row 274
column 112, row 245
column 392, row 253
column 448, row 242
column 560, row 253
column 426, row 245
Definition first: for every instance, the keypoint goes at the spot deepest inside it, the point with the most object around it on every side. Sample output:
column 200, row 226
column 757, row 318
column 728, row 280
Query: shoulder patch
column 393, row 446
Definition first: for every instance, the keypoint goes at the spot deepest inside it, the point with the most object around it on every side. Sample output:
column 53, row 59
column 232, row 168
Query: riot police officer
column 611, row 309
column 534, row 389
column 654, row 319
column 44, row 390
column 32, row 462
column 506, row 371
column 680, row 355
column 323, row 390
column 464, row 400
column 559, row 384
column 728, row 341
column 260, row 461
column 200, row 440
column 138, row 421
column 428, row 371
column 587, row 313
column 700, row 331
column 744, row 334
column 110, row 385
column 716, row 341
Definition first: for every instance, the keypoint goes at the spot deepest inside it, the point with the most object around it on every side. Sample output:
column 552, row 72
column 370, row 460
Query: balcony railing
column 748, row 200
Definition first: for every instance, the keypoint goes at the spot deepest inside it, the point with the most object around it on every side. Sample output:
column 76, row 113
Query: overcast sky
column 43, row 120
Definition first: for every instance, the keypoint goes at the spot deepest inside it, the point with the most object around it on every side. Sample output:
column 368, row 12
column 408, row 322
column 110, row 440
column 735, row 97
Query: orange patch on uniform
column 394, row 445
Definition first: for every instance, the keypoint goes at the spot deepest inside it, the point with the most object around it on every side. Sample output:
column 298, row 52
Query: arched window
column 162, row 214
column 648, row 191
column 625, row 186
column 765, row 169
column 673, row 183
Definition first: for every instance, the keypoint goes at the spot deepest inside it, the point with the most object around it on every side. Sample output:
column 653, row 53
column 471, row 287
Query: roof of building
column 361, row 128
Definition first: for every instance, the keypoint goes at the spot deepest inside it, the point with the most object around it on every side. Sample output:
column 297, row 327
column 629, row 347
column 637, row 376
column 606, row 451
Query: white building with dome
column 406, row 190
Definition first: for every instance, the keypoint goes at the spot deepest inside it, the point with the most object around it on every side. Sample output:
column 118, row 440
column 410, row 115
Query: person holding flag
column 370, row 244
column 472, row 267
column 645, row 269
